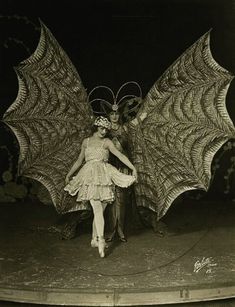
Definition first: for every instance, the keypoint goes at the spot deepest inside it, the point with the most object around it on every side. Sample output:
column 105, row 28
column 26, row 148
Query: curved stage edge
column 116, row 297
column 194, row 262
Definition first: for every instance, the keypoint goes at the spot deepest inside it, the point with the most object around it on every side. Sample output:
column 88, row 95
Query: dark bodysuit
column 116, row 211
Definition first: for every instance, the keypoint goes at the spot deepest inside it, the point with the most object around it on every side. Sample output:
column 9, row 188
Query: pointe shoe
column 94, row 242
column 101, row 247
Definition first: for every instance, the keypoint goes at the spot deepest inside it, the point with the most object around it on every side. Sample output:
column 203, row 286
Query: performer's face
column 114, row 117
column 102, row 132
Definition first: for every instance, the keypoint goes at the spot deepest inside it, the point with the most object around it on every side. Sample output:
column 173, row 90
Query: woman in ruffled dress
column 96, row 180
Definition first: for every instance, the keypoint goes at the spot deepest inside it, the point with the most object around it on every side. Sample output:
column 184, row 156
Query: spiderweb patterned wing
column 187, row 122
column 50, row 117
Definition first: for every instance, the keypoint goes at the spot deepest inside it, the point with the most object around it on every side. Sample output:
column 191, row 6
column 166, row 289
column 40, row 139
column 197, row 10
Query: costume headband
column 101, row 121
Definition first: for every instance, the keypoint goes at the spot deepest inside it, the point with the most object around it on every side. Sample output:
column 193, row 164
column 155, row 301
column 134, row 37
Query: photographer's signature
column 206, row 263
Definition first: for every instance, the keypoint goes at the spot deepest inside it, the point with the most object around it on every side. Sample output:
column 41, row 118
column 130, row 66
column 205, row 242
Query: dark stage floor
column 194, row 262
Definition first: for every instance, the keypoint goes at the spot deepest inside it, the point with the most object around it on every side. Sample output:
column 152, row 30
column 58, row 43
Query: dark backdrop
column 111, row 42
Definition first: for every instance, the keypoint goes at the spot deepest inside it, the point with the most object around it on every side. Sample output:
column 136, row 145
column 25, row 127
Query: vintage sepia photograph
column 117, row 153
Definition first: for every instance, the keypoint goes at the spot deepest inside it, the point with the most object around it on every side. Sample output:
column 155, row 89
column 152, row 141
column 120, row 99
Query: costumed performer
column 96, row 180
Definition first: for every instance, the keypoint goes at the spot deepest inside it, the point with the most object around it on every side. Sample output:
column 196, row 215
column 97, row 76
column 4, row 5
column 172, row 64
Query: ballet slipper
column 101, row 247
column 94, row 242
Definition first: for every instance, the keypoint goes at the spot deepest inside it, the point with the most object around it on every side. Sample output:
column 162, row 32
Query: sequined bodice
column 96, row 153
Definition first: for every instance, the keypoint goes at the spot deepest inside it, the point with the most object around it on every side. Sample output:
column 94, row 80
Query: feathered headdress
column 124, row 102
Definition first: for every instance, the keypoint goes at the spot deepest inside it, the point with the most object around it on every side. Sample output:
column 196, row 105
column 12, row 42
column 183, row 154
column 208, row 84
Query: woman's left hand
column 134, row 173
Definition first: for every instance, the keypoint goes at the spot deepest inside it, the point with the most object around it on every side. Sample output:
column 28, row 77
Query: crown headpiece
column 121, row 102
column 101, row 121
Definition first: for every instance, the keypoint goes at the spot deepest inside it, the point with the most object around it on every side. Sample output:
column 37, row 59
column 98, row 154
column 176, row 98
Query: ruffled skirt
column 96, row 180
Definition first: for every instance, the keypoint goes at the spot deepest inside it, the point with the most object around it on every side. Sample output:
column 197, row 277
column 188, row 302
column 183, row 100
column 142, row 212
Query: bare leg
column 104, row 205
column 94, row 239
column 94, row 231
column 98, row 217
column 98, row 209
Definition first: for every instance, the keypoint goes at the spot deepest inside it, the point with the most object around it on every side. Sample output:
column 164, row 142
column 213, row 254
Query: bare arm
column 120, row 156
column 141, row 118
column 77, row 164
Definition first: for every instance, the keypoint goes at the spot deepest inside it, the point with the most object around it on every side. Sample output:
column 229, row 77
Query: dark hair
column 95, row 129
column 120, row 120
column 112, row 111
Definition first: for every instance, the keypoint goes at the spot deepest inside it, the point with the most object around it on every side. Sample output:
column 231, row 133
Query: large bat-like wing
column 50, row 117
column 186, row 123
